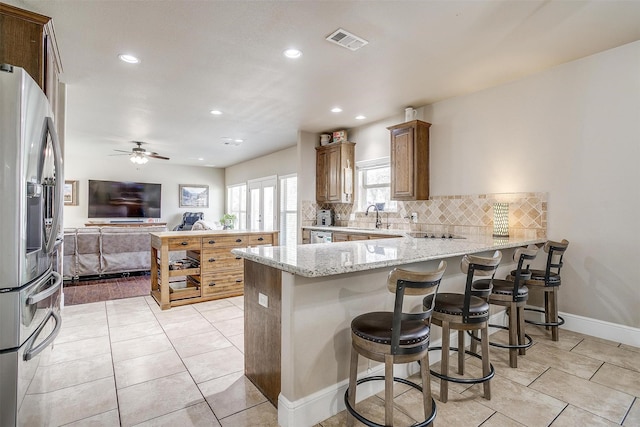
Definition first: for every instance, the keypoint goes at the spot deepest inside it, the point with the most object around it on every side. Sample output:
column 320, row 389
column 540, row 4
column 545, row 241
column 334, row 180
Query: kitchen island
column 300, row 300
column 209, row 270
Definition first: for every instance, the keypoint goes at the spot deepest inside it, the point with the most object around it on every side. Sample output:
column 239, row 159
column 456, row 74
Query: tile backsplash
column 467, row 214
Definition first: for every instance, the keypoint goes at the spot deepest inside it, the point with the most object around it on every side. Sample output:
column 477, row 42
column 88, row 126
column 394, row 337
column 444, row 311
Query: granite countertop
column 326, row 259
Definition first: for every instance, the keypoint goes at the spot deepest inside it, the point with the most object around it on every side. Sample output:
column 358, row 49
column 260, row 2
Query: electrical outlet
column 338, row 217
column 263, row 300
column 414, row 217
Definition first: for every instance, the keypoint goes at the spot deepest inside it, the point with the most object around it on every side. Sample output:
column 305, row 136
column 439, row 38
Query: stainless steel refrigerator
column 31, row 191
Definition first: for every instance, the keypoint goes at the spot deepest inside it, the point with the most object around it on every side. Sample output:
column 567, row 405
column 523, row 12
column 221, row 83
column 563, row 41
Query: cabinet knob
column 184, row 243
column 212, row 284
column 238, row 257
column 260, row 239
column 212, row 259
column 238, row 240
column 238, row 280
column 211, row 242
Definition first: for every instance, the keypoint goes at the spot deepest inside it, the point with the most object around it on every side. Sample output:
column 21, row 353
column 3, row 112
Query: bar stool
column 464, row 312
column 513, row 295
column 548, row 280
column 395, row 337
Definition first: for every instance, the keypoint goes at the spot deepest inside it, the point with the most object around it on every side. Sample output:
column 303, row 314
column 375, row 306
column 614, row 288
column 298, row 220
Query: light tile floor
column 126, row 362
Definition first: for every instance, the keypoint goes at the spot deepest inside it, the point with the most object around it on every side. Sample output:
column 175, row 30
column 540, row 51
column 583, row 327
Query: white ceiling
column 227, row 55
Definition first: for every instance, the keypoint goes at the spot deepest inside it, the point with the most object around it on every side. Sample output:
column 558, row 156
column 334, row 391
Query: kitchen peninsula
column 300, row 300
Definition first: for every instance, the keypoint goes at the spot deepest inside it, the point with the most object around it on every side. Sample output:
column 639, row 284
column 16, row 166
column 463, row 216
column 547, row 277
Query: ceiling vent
column 346, row 39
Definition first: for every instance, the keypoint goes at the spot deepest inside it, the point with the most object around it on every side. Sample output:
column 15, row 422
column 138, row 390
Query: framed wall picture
column 71, row 193
column 194, row 196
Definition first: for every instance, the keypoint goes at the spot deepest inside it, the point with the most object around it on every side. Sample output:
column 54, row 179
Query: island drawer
column 220, row 259
column 232, row 241
column 261, row 239
column 222, row 283
column 183, row 243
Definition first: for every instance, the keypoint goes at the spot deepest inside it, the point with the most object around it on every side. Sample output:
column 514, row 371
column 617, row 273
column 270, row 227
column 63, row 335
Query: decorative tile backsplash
column 467, row 215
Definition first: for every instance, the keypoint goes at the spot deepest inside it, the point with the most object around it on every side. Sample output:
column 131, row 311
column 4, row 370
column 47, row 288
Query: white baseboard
column 325, row 403
column 601, row 329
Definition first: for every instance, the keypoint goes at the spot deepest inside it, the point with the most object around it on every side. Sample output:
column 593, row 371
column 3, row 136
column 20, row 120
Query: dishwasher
column 321, row 236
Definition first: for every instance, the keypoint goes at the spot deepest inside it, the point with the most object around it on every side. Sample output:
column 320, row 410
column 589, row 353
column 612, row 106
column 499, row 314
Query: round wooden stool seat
column 377, row 327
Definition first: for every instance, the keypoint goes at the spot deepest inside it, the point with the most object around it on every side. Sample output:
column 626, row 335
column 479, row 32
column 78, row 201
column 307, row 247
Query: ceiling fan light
column 138, row 159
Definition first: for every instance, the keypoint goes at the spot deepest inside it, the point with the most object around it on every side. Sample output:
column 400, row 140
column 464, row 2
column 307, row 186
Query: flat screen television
column 114, row 199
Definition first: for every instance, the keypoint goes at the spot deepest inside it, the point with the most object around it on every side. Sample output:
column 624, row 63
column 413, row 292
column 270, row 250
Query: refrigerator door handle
column 57, row 283
column 59, row 193
column 34, row 351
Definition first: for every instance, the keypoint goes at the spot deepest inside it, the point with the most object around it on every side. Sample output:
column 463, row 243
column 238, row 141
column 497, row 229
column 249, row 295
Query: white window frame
column 260, row 184
column 241, row 215
column 361, row 166
column 284, row 238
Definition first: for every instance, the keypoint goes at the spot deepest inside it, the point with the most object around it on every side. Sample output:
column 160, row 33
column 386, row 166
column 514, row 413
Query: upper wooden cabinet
column 410, row 161
column 334, row 173
column 28, row 41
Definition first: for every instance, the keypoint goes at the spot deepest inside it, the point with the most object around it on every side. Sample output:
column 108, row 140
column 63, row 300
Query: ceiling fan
column 139, row 155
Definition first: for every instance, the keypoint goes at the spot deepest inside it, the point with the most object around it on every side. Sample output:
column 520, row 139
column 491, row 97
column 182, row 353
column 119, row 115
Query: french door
column 262, row 203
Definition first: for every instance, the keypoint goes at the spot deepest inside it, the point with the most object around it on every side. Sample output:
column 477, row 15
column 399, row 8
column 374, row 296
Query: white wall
column 283, row 162
column 307, row 141
column 155, row 171
column 572, row 131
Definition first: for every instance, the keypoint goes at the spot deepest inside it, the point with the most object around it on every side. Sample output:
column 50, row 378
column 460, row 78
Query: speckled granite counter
column 319, row 260
column 299, row 302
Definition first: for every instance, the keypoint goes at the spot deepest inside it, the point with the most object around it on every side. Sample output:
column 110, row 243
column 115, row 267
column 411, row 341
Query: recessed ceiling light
column 292, row 53
column 336, row 110
column 216, row 112
column 129, row 59
column 360, row 117
column 200, row 158
column 239, row 140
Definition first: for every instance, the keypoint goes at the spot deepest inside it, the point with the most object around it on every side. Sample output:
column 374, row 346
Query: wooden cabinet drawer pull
column 238, row 280
column 212, row 259
column 212, row 284
column 238, row 240
column 184, row 243
column 260, row 239
column 211, row 242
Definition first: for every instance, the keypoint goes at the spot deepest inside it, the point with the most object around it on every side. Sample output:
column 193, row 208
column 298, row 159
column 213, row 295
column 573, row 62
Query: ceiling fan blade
column 127, row 153
column 122, row 151
column 156, row 156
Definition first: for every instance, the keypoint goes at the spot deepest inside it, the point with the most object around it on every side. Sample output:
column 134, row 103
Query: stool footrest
column 526, row 345
column 560, row 321
column 370, row 423
column 458, row 380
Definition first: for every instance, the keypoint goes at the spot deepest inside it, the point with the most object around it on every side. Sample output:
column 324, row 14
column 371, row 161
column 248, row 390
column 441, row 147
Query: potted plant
column 227, row 221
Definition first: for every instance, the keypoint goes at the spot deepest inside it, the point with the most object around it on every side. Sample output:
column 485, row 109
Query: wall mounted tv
column 114, row 199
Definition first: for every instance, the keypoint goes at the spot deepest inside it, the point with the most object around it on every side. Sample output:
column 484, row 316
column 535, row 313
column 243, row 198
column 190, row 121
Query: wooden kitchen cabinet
column 334, row 173
column 410, row 160
column 215, row 272
column 28, row 41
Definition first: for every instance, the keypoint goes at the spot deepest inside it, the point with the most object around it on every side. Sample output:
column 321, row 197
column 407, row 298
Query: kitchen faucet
column 378, row 222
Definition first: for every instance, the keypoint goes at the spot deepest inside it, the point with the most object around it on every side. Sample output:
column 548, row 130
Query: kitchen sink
column 426, row 235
